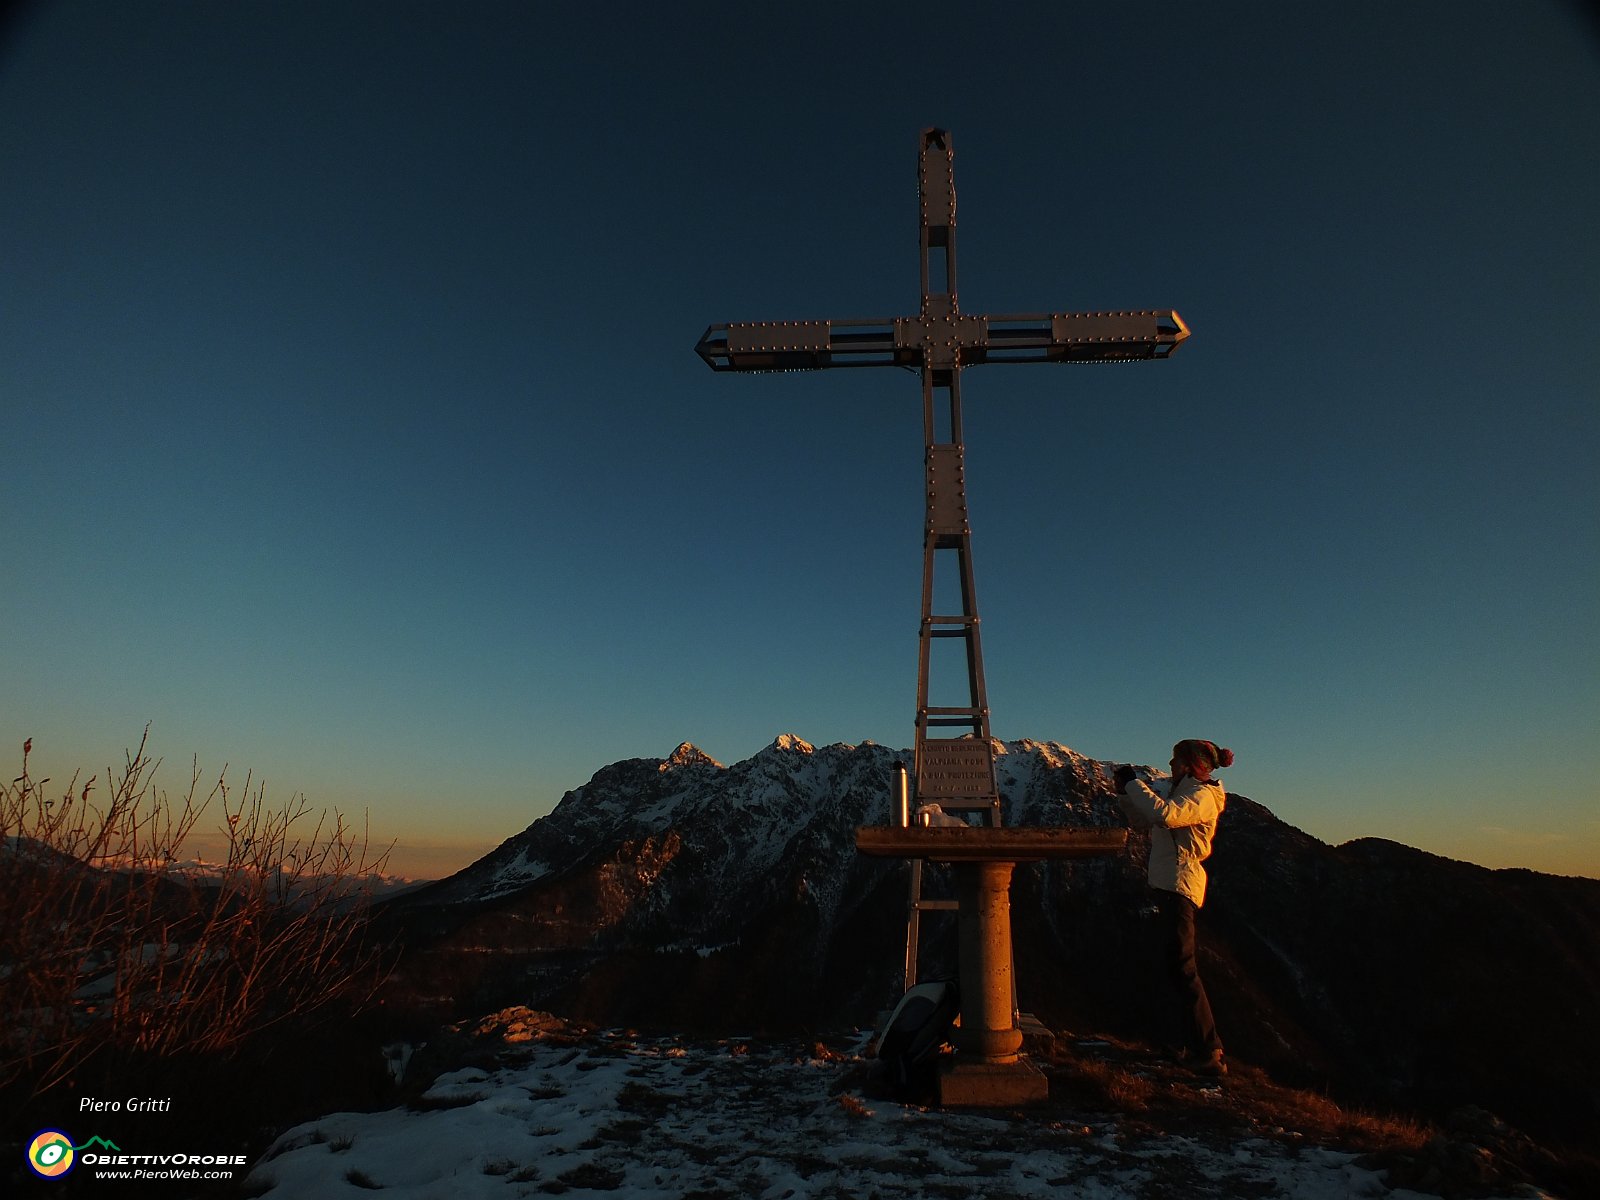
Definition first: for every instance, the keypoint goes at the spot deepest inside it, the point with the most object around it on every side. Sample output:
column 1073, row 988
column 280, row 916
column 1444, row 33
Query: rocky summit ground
column 523, row 1104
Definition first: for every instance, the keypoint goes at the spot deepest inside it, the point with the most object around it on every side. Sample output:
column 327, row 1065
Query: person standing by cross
column 1182, row 820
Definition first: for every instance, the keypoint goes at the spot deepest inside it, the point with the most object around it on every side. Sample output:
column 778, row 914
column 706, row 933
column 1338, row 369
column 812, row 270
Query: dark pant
column 1198, row 1029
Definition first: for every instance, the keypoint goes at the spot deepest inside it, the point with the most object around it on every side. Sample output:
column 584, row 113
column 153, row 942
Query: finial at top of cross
column 940, row 336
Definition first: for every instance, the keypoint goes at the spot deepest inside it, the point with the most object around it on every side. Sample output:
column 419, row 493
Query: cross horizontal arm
column 1077, row 337
column 939, row 339
column 802, row 345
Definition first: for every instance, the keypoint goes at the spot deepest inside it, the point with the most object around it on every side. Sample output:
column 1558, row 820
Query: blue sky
column 355, row 433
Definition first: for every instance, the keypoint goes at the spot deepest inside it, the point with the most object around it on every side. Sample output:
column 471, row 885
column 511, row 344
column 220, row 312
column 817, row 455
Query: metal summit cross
column 956, row 772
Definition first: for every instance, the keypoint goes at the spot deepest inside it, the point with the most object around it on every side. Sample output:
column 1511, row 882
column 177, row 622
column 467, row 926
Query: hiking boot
column 1211, row 1064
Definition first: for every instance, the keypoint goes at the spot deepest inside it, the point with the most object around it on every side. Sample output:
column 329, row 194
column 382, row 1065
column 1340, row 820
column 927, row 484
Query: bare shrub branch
column 112, row 942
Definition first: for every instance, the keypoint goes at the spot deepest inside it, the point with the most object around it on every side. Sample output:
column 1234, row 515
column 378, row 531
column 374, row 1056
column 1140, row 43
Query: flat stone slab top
column 980, row 843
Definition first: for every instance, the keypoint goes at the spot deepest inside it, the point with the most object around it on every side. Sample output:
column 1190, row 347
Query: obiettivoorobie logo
column 52, row 1154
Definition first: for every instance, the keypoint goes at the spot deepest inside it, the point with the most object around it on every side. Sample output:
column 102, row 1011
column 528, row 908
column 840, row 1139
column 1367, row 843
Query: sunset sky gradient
column 354, row 432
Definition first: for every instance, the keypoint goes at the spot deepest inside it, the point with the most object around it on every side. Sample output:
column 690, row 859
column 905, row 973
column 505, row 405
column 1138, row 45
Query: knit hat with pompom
column 1203, row 753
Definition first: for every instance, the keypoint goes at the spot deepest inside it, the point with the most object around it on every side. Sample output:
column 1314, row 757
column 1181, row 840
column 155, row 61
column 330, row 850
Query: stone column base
column 991, row 1085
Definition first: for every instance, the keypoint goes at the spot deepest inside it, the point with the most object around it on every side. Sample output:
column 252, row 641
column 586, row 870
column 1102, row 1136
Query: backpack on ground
column 919, row 1025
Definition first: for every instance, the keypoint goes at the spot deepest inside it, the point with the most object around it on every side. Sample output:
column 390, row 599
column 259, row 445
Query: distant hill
column 682, row 894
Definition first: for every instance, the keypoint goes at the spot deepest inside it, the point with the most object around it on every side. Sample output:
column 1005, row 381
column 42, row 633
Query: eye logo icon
column 50, row 1154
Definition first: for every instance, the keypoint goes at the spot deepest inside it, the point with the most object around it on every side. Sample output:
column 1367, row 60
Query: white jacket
column 1182, row 827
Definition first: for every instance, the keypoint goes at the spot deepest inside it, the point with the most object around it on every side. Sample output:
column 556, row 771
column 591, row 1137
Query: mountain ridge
column 683, row 893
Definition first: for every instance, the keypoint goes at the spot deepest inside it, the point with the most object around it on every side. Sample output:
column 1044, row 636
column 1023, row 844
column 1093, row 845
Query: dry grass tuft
column 1098, row 1083
column 115, row 948
column 1314, row 1112
column 1133, row 1083
column 854, row 1106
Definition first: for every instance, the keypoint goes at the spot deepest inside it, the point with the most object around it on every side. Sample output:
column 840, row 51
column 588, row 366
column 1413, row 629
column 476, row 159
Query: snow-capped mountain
column 749, row 818
column 681, row 894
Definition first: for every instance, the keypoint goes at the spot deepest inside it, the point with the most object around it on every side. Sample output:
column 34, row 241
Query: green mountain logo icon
column 98, row 1141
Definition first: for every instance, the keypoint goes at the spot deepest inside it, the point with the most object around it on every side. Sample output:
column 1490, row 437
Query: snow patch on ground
column 661, row 1119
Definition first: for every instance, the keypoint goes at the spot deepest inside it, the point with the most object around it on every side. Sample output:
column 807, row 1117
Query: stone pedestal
column 988, row 1069
column 988, row 1033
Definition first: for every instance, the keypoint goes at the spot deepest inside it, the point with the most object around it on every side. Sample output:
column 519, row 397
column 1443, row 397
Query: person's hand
column 1122, row 777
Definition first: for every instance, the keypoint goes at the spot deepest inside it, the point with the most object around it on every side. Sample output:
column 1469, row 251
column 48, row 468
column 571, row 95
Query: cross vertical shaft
column 956, row 772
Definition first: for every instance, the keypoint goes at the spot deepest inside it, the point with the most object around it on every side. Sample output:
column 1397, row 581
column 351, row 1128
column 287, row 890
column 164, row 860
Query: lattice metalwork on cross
column 940, row 342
